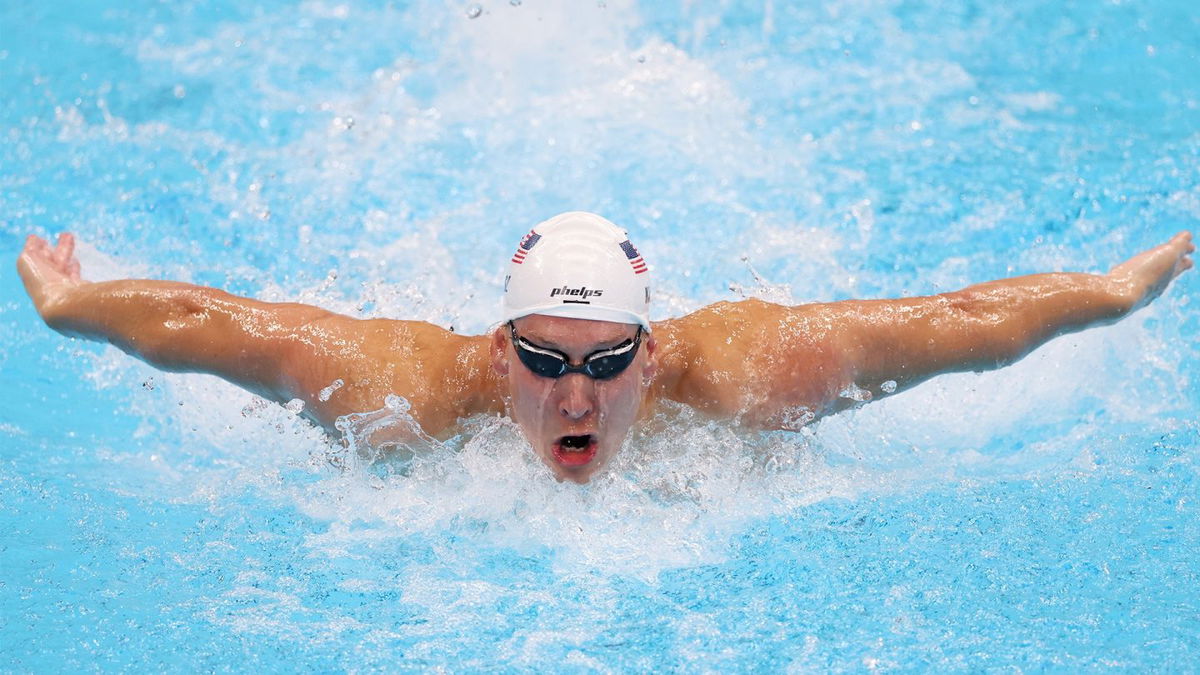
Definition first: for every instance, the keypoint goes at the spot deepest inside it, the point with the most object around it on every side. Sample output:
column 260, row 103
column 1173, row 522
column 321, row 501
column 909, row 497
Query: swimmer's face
column 575, row 423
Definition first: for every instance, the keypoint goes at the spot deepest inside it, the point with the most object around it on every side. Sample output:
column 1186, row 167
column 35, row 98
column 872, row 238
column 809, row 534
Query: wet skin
column 758, row 364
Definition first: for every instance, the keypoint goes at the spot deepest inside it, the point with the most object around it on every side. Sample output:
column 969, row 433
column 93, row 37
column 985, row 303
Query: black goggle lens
column 602, row 365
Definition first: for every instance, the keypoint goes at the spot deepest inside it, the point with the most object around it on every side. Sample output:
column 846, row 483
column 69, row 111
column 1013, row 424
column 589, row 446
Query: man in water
column 577, row 362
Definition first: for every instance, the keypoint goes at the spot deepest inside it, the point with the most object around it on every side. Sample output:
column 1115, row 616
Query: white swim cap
column 580, row 266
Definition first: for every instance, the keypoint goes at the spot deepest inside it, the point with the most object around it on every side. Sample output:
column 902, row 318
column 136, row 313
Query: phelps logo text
column 576, row 295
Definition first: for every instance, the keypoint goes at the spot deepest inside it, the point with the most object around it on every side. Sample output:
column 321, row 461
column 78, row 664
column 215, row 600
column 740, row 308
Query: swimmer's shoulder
column 702, row 355
column 729, row 358
column 719, row 331
column 443, row 375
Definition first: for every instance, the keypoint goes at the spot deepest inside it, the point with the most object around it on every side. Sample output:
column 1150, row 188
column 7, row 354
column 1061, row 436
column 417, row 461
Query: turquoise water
column 383, row 159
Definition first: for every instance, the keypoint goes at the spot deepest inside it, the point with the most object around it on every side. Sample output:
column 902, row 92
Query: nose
column 576, row 399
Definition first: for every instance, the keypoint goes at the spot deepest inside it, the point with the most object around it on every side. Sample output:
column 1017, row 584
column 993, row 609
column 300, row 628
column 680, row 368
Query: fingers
column 1148, row 273
column 62, row 254
column 1188, row 247
column 1184, row 238
column 35, row 244
column 65, row 250
column 41, row 260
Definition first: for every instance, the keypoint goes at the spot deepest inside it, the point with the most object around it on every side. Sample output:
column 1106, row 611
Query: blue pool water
column 382, row 159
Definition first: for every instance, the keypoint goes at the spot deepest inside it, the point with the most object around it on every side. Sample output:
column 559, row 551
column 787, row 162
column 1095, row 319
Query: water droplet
column 294, row 406
column 855, row 393
column 328, row 391
column 888, row 387
column 396, row 403
column 641, row 58
column 474, row 11
column 797, row 418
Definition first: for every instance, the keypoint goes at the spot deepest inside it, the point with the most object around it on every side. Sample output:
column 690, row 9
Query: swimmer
column 575, row 360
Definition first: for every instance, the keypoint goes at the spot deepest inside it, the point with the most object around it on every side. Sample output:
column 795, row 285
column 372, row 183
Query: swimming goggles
column 599, row 365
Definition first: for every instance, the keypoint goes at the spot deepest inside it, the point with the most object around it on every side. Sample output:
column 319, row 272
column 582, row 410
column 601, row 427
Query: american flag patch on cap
column 635, row 260
column 526, row 244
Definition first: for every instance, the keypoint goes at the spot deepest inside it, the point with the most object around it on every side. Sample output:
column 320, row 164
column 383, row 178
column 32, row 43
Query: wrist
column 1121, row 293
column 55, row 302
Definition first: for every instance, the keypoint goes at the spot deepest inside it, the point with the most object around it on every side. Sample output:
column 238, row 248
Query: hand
column 49, row 272
column 1144, row 276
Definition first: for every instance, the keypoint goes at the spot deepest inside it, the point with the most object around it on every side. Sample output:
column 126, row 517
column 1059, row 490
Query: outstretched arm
column 994, row 324
column 173, row 326
column 779, row 367
column 277, row 350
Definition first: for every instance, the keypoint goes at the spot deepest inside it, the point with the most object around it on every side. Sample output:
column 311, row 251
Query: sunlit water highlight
column 382, row 162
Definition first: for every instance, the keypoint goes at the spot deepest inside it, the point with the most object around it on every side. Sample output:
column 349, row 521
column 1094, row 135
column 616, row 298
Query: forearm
column 981, row 327
column 1005, row 320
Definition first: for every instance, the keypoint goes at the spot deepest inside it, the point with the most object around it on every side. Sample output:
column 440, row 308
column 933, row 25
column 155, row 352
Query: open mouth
column 575, row 450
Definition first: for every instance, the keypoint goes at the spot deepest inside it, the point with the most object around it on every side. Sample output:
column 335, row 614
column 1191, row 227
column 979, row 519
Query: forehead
column 557, row 331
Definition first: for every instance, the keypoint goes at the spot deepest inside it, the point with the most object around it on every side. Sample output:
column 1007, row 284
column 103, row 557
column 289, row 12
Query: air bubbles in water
column 294, row 406
column 474, row 11
column 888, row 387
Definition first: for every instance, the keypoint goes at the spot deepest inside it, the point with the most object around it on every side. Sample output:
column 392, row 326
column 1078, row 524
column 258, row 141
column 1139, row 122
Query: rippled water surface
column 381, row 160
